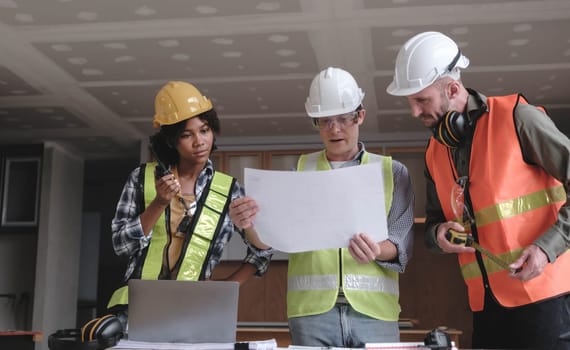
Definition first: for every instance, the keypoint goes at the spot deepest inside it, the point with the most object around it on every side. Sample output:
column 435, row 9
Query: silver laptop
column 183, row 311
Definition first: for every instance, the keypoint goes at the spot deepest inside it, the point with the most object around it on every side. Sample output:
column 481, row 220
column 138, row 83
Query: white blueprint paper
column 311, row 210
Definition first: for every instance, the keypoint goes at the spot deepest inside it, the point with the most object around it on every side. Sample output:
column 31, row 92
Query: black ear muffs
column 451, row 129
column 99, row 333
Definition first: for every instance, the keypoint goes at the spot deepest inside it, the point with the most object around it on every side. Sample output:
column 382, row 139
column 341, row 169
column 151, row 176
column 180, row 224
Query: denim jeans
column 342, row 326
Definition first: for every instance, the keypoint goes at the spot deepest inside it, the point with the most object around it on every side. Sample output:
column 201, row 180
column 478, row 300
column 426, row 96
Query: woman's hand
column 243, row 211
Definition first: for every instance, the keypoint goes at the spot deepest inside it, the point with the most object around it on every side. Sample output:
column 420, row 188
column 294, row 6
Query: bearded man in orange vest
column 498, row 170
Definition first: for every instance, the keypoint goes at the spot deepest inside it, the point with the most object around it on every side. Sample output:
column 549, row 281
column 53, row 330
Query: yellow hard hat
column 177, row 101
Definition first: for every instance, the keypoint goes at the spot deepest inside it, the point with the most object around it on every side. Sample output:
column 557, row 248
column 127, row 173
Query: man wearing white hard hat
column 347, row 297
column 359, row 304
column 498, row 174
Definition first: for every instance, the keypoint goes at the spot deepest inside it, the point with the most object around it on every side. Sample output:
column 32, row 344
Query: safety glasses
column 460, row 209
column 343, row 121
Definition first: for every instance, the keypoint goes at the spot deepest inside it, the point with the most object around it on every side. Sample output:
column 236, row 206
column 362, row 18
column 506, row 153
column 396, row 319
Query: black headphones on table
column 453, row 127
column 99, row 333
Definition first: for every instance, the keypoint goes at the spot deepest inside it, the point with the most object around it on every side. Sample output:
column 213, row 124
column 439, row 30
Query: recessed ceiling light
column 290, row 64
column 180, row 57
column 223, row 41
column 399, row 33
column 518, row 42
column 77, row 60
column 24, row 18
column 124, row 102
column 61, row 47
column 545, row 88
column 232, row 54
column 285, row 52
column 459, row 31
column 115, row 46
column 145, row 11
column 514, row 54
column 206, row 10
column 169, row 43
column 264, row 107
column 122, row 59
column 8, row 4
column 278, row 38
column 87, row 16
column 523, row 27
column 268, row 6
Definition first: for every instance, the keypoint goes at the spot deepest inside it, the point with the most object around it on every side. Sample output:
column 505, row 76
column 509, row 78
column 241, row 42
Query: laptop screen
column 183, row 311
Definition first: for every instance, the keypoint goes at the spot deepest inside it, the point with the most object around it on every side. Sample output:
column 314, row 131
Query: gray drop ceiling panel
column 53, row 12
column 243, row 97
column 489, row 44
column 39, row 118
column 12, row 85
column 184, row 57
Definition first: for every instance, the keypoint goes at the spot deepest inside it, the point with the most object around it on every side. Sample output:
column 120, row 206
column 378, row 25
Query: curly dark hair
column 164, row 141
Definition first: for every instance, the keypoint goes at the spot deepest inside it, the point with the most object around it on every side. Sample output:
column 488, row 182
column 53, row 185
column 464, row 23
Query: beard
column 432, row 120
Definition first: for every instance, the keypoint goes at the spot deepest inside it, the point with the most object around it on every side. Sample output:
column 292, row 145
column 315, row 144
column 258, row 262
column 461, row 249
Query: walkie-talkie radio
column 160, row 170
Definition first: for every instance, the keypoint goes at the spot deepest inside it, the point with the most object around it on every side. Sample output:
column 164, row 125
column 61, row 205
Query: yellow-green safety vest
column 206, row 225
column 314, row 277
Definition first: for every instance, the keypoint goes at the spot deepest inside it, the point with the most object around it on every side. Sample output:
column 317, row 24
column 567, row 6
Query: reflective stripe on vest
column 206, row 225
column 313, row 277
column 513, row 202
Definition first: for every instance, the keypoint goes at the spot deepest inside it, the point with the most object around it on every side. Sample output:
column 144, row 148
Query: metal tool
column 468, row 241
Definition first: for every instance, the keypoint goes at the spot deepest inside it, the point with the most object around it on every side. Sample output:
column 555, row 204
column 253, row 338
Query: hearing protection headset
column 453, row 127
column 99, row 333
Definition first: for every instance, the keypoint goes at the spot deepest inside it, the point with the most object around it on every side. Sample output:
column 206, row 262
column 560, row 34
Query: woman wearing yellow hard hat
column 172, row 219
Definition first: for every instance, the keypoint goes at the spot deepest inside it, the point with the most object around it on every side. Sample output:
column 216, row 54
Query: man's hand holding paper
column 312, row 210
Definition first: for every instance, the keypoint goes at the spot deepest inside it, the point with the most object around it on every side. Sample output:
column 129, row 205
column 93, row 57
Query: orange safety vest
column 513, row 203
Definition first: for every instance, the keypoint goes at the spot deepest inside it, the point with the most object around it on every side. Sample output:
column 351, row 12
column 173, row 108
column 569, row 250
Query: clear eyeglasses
column 460, row 209
column 342, row 121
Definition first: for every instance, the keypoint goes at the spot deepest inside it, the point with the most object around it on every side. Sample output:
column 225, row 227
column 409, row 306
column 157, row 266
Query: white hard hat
column 333, row 92
column 422, row 60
